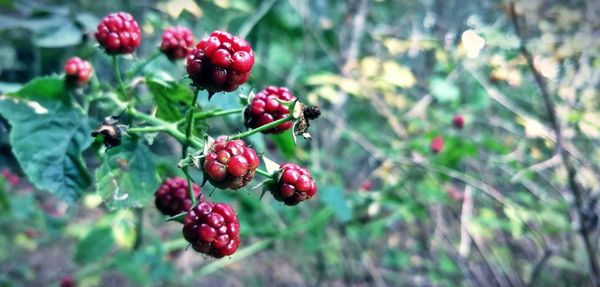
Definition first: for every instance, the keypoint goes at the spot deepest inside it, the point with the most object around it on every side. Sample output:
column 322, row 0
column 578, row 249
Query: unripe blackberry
column 220, row 62
column 437, row 144
column 172, row 197
column 77, row 71
column 294, row 186
column 118, row 33
column 265, row 108
column 67, row 281
column 177, row 42
column 458, row 121
column 230, row 164
column 10, row 177
column 212, row 229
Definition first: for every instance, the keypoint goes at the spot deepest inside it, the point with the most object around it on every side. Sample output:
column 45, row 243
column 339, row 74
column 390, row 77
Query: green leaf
column 50, row 92
column 170, row 97
column 444, row 90
column 285, row 143
column 95, row 245
column 127, row 177
column 63, row 36
column 333, row 196
column 132, row 268
column 48, row 136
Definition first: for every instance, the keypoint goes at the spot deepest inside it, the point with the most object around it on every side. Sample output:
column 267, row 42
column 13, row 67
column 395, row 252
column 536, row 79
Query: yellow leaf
column 590, row 124
column 174, row 8
column 370, row 67
column 396, row 46
column 533, row 128
column 398, row 75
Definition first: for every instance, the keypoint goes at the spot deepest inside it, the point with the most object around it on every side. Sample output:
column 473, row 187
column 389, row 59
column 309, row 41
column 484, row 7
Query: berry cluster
column 294, row 186
column 119, row 33
column 220, row 62
column 177, row 42
column 230, row 164
column 172, row 197
column 78, row 72
column 212, row 229
column 266, row 107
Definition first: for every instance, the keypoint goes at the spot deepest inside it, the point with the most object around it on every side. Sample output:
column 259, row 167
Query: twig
column 539, row 266
column 571, row 173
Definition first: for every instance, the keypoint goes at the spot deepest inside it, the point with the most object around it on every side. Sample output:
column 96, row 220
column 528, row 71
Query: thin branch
column 539, row 266
column 571, row 172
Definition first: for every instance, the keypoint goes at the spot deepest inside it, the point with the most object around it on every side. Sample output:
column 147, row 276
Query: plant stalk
column 188, row 136
column 121, row 88
column 262, row 128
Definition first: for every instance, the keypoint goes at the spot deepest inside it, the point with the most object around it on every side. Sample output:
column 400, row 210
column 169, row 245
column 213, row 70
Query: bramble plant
column 219, row 63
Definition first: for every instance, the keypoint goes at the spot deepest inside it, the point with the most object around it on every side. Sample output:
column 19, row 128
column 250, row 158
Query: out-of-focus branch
column 539, row 266
column 571, row 172
column 465, row 219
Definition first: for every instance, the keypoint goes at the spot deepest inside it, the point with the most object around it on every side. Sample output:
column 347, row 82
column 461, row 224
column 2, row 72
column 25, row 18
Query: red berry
column 118, row 33
column 173, row 197
column 266, row 107
column 212, row 229
column 437, row 144
column 367, row 185
column 177, row 42
column 295, row 185
column 67, row 281
column 230, row 164
column 458, row 121
column 12, row 178
column 220, row 62
column 78, row 72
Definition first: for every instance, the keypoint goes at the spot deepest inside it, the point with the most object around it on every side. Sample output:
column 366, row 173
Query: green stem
column 167, row 127
column 139, row 228
column 142, row 130
column 262, row 128
column 143, row 64
column 188, row 134
column 263, row 173
column 121, row 87
column 213, row 114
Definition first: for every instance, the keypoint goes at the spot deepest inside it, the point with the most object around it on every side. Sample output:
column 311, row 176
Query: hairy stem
column 165, row 126
column 143, row 64
column 121, row 87
column 188, row 134
column 151, row 129
column 262, row 128
column 213, row 114
column 139, row 228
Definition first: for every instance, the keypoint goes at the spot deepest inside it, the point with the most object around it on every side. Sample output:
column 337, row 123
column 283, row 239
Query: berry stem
column 139, row 228
column 264, row 173
column 151, row 129
column 262, row 128
column 188, row 134
column 213, row 114
column 140, row 66
column 121, row 88
column 167, row 127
